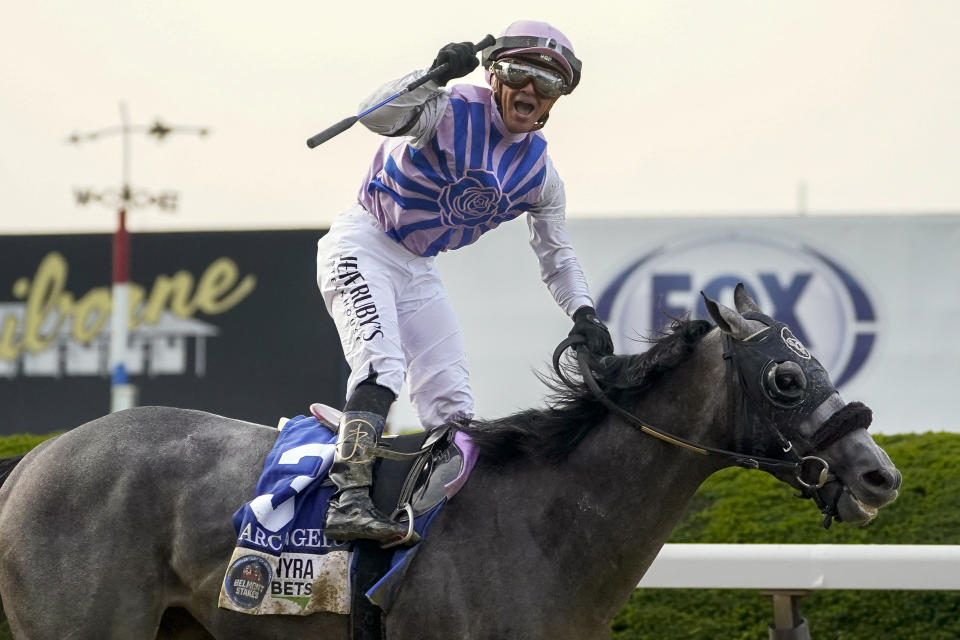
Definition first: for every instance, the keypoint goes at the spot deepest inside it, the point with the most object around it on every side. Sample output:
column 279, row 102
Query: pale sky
column 686, row 107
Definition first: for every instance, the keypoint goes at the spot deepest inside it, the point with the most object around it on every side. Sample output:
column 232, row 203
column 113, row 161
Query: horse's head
column 784, row 406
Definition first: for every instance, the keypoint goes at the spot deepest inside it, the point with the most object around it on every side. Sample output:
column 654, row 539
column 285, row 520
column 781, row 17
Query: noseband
column 811, row 472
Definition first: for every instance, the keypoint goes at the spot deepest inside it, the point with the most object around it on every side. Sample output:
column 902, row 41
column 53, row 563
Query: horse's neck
column 583, row 530
column 619, row 495
column 630, row 491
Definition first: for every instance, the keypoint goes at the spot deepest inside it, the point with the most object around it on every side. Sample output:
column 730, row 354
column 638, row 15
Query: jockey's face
column 521, row 108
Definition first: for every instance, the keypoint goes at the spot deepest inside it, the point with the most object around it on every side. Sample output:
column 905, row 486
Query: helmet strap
column 498, row 94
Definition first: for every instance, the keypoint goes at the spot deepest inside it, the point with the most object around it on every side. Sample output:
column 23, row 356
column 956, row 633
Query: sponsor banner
column 258, row 583
column 823, row 303
column 227, row 322
column 872, row 297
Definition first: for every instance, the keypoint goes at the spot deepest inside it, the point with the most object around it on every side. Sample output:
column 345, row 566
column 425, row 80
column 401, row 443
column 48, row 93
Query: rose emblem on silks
column 472, row 200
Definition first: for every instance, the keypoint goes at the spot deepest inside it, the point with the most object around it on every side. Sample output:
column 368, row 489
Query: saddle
column 410, row 480
column 284, row 565
column 411, row 476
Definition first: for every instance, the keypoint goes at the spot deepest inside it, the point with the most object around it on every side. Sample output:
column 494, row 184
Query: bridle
column 811, row 472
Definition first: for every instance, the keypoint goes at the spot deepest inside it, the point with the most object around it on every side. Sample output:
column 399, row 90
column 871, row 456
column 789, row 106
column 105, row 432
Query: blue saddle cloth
column 289, row 509
column 282, row 527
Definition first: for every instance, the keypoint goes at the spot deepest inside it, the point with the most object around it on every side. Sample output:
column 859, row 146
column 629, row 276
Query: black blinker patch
column 753, row 358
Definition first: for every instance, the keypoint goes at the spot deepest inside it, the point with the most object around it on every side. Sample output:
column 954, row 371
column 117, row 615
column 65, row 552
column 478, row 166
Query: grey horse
column 121, row 528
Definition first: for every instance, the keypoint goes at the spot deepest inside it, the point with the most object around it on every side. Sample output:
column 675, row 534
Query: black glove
column 462, row 60
column 587, row 324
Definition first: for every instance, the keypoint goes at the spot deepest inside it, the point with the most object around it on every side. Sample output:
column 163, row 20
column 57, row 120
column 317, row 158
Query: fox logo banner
column 824, row 304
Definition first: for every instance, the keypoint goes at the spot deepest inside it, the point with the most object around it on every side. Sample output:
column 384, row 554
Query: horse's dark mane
column 571, row 413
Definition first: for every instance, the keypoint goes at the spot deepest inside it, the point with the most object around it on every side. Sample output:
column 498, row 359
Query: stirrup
column 412, row 536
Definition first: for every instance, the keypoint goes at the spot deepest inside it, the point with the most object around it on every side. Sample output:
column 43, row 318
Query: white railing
column 786, row 572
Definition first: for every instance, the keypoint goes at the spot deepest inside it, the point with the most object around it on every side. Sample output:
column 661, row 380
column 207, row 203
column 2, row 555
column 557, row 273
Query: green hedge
column 15, row 445
column 751, row 507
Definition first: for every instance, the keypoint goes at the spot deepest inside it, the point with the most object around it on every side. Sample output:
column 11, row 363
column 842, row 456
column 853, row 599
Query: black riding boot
column 351, row 513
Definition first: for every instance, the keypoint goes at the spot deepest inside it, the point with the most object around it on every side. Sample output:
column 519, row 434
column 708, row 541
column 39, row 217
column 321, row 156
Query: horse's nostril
column 888, row 479
column 897, row 479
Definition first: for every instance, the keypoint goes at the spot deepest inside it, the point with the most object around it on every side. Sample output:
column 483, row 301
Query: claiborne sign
column 227, row 322
column 50, row 307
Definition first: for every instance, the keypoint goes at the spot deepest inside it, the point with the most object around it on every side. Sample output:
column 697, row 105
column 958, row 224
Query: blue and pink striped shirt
column 470, row 177
column 456, row 172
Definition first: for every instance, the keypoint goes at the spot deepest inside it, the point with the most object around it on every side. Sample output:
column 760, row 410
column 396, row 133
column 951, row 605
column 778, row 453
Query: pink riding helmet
column 534, row 37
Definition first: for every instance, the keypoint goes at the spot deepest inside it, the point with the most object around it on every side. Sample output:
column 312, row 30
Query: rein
column 799, row 466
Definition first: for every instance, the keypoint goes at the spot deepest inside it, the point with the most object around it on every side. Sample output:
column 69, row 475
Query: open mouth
column 523, row 108
column 853, row 510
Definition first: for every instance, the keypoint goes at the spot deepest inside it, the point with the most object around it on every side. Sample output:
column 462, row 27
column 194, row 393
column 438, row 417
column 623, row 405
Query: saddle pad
column 283, row 564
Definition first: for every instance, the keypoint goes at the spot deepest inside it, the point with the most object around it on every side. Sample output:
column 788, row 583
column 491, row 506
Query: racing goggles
column 516, row 75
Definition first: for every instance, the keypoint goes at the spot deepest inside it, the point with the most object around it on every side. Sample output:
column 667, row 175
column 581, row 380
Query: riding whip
column 434, row 73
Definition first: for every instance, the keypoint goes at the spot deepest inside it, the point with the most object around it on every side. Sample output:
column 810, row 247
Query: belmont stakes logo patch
column 248, row 580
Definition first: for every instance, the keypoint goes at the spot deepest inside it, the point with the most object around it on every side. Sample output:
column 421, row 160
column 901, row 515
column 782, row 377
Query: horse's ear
column 728, row 320
column 743, row 301
column 725, row 317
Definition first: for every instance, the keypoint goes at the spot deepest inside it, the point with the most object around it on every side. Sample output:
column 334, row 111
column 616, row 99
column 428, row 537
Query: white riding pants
column 394, row 318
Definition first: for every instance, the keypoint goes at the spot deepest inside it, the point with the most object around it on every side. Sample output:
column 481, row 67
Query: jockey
column 455, row 164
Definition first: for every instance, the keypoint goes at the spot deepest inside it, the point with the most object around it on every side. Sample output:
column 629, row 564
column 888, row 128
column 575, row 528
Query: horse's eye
column 786, row 382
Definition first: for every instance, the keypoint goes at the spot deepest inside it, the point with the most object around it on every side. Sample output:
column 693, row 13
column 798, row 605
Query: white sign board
column 873, row 297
